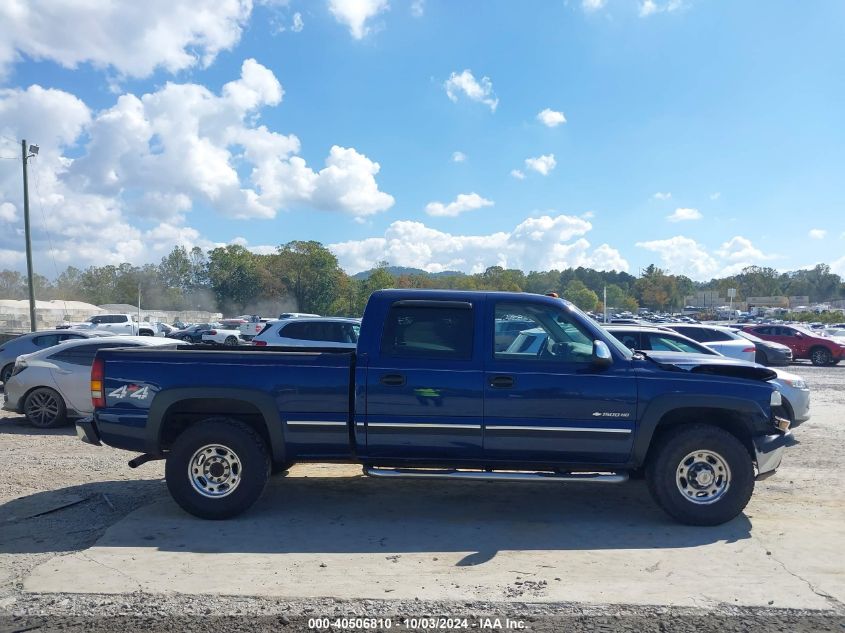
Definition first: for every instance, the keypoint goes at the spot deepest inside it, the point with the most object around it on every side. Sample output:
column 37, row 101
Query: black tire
column 761, row 358
column 664, row 479
column 6, row 373
column 231, row 341
column 820, row 356
column 145, row 333
column 250, row 456
column 45, row 408
column 835, row 362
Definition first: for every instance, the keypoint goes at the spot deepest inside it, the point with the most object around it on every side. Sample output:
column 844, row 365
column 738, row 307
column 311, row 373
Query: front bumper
column 86, row 430
column 768, row 452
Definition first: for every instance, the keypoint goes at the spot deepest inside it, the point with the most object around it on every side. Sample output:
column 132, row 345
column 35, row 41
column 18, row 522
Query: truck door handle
column 393, row 380
column 502, row 382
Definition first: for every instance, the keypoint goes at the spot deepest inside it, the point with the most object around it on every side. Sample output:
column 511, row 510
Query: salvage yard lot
column 82, row 534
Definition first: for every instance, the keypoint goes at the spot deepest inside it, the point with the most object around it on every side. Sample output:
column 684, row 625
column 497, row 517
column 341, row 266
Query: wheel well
column 729, row 420
column 180, row 415
column 815, row 347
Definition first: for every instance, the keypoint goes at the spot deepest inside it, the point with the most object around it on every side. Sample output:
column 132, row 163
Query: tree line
column 306, row 276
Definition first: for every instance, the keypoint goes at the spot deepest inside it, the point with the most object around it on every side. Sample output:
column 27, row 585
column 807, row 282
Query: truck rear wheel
column 217, row 468
column 700, row 474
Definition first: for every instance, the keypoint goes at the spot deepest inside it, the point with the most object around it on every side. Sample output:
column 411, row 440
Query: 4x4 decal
column 131, row 391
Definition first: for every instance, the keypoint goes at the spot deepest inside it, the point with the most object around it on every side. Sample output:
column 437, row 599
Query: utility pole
column 24, row 157
column 605, row 304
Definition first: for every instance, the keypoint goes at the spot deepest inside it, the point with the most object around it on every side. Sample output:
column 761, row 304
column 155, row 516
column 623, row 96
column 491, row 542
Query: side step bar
column 481, row 475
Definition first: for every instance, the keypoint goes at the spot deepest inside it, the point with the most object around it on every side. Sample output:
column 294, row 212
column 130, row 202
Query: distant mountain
column 398, row 271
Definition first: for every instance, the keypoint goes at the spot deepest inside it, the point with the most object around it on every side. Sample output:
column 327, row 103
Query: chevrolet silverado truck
column 429, row 394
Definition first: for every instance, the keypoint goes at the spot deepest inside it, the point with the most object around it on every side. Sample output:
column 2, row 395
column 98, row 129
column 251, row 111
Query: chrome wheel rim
column 42, row 408
column 215, row 471
column 703, row 477
column 231, row 341
column 820, row 357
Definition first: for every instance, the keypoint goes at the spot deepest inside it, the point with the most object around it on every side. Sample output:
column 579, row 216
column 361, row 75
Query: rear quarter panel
column 140, row 386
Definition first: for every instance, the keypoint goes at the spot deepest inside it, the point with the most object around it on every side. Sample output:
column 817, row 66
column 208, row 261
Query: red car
column 803, row 343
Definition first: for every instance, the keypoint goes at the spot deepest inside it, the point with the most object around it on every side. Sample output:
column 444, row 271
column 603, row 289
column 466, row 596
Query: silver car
column 34, row 341
column 53, row 385
column 793, row 389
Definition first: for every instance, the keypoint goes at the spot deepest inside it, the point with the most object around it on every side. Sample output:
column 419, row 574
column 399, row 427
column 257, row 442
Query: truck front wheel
column 700, row 474
column 217, row 468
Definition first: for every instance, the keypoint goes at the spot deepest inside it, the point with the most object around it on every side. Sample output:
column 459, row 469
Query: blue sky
column 731, row 112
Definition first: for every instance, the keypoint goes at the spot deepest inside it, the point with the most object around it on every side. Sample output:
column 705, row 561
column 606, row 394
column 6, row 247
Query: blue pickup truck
column 441, row 387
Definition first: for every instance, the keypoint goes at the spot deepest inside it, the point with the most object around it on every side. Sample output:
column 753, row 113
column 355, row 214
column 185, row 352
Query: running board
column 482, row 475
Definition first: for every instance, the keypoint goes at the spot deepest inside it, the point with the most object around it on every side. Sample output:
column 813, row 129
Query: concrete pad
column 351, row 537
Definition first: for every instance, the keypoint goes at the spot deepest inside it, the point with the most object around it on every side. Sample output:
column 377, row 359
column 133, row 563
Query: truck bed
column 311, row 387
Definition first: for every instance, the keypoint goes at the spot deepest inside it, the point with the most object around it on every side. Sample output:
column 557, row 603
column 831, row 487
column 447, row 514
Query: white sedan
column 222, row 336
column 53, row 385
column 718, row 338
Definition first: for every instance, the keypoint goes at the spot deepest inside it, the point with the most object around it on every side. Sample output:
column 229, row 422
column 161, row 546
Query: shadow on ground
column 18, row 425
column 361, row 515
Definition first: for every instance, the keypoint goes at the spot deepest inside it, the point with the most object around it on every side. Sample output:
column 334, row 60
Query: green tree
column 580, row 295
column 311, row 273
column 232, row 274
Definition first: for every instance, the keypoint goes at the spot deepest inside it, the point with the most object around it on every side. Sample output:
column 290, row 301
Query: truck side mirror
column 601, row 354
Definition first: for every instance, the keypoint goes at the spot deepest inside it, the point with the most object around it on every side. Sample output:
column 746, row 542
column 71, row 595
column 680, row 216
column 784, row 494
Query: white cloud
column 551, row 118
column 119, row 184
column 518, row 174
column 8, row 212
column 10, row 258
column 647, row 7
column 458, row 157
column 356, row 13
column 682, row 214
column 592, row 5
column 465, row 83
column 541, row 164
column 684, row 256
column 662, row 195
column 538, row 243
column 650, row 7
column 817, row 234
column 715, row 195
column 740, row 248
column 297, row 24
column 464, row 202
column 133, row 38
column 417, row 8
column 588, row 215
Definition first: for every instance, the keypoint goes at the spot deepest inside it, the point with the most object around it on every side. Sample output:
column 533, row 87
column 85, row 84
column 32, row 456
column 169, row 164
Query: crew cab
column 428, row 395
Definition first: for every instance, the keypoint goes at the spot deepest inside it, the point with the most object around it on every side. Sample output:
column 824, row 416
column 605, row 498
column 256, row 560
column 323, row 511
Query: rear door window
column 46, row 340
column 428, row 331
column 84, row 354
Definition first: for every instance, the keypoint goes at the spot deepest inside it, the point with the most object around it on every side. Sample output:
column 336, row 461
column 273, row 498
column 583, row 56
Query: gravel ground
column 92, row 488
